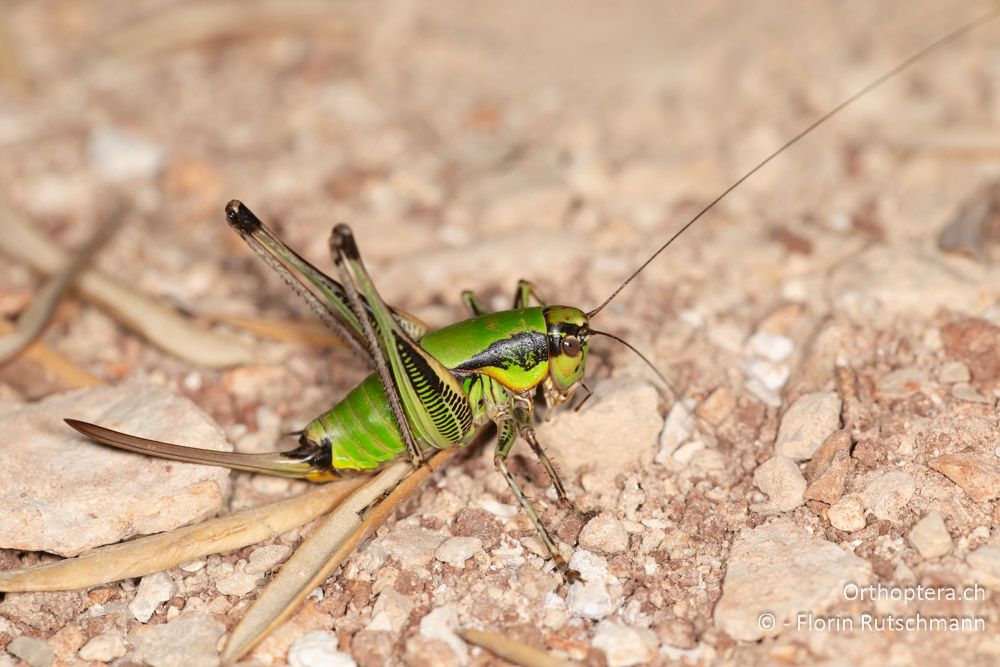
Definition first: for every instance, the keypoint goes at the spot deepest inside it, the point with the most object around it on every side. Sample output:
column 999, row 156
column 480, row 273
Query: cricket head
column 567, row 330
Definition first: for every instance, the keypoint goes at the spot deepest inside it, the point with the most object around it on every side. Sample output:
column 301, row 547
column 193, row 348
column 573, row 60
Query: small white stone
column 193, row 565
column 590, row 598
column 318, row 648
column 264, row 559
column 117, row 155
column 780, row 478
column 770, row 346
column 153, row 589
column 986, row 561
column 888, row 494
column 930, row 536
column 676, row 428
column 783, row 570
column 901, row 383
column 771, row 375
column 190, row 639
column 604, row 534
column 847, row 514
column 103, row 648
column 456, row 550
column 496, row 508
column 440, row 624
column 391, row 611
column 623, row 646
column 807, row 424
column 686, row 452
column 965, row 392
column 238, row 584
column 34, row 651
column 951, row 372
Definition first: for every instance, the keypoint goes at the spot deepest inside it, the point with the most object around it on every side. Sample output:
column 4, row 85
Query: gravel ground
column 837, row 436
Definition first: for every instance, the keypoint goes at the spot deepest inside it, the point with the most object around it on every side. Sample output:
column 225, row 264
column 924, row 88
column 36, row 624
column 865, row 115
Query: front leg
column 506, row 435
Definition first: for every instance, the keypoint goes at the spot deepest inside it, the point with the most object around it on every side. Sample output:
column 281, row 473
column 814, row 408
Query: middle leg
column 506, row 435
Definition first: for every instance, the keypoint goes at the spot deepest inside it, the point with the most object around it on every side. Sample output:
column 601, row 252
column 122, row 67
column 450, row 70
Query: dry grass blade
column 310, row 333
column 326, row 549
column 55, row 363
column 510, row 650
column 196, row 24
column 39, row 312
column 165, row 550
column 160, row 324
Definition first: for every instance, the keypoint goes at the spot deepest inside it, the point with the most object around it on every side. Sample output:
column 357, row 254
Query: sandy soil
column 471, row 146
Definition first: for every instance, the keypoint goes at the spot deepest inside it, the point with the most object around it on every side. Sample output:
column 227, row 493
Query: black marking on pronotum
column 525, row 350
column 241, row 218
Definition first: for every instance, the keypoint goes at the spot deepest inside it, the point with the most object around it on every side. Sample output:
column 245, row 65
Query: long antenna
column 947, row 39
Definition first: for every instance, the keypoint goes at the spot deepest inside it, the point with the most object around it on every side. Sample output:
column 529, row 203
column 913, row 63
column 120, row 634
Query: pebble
column 986, row 561
column 190, row 639
column 440, row 624
column 847, row 514
column 890, row 280
column 780, row 478
column 770, row 346
column 975, row 341
column 153, row 590
column 79, row 494
column 623, row 646
column 930, row 536
column 391, row 611
column 237, row 583
column 887, row 494
column 264, row 559
column 615, row 430
column 719, row 405
column 829, row 467
column 36, row 652
column 781, row 569
column 104, row 647
column 590, row 598
column 677, row 428
column 604, row 534
column 965, row 392
column 977, row 474
column 951, row 372
column 456, row 550
column 318, row 648
column 412, row 547
column 810, row 420
column 116, row 155
column 901, row 383
column 765, row 379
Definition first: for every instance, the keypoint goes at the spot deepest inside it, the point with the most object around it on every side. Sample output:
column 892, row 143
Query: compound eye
column 571, row 346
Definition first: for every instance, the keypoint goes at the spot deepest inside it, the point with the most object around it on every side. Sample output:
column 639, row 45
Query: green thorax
column 510, row 346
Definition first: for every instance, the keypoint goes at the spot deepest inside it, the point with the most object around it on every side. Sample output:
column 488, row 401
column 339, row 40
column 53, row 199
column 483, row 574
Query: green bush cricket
column 434, row 389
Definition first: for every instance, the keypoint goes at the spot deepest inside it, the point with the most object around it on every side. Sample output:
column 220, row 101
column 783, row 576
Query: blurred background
column 470, row 145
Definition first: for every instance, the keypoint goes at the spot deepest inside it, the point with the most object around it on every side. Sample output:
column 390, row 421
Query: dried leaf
column 508, row 649
column 55, row 363
column 161, row 325
column 39, row 312
column 154, row 553
column 196, row 24
column 326, row 548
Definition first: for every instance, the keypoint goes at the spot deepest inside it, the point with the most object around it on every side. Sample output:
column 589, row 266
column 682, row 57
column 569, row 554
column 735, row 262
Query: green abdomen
column 359, row 431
